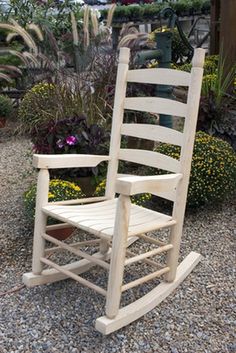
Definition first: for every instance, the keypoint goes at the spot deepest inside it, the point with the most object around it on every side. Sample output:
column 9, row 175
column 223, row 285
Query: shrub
column 210, row 65
column 213, row 173
column 6, row 106
column 47, row 102
column 58, row 190
column 140, row 199
column 37, row 106
column 208, row 83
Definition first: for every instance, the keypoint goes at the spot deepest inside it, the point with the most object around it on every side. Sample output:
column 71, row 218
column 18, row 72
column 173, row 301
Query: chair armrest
column 53, row 161
column 131, row 185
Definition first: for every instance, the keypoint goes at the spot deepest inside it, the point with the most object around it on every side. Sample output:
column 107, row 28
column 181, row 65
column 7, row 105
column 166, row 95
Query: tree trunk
column 215, row 27
column 228, row 33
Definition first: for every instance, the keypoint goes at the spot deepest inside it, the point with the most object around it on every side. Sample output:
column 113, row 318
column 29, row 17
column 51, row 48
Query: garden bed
column 60, row 317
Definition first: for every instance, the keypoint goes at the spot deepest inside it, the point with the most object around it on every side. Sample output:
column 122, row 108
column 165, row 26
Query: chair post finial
column 124, row 55
column 198, row 58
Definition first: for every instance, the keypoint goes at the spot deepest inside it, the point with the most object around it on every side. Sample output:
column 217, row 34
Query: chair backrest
column 157, row 105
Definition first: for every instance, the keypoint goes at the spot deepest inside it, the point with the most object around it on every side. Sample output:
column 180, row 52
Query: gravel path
column 198, row 317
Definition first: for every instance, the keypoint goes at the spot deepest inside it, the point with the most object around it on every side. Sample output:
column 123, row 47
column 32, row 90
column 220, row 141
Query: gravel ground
column 198, row 317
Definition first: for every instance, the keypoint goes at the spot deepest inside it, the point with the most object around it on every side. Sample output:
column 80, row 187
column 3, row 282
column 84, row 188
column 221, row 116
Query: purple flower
column 71, row 140
column 60, row 143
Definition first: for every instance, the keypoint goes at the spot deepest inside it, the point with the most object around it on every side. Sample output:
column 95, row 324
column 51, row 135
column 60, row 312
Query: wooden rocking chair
column 116, row 222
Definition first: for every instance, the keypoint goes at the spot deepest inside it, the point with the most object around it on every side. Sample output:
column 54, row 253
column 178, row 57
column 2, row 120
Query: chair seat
column 99, row 218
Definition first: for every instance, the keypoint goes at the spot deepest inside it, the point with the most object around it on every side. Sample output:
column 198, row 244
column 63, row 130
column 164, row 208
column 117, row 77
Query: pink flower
column 71, row 140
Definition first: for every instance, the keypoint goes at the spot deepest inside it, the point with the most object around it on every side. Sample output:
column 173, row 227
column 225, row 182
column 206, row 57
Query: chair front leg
column 40, row 221
column 119, row 244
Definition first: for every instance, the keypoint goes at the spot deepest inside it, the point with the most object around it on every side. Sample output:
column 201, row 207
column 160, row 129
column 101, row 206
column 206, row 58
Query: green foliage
column 6, row 107
column 211, row 64
column 87, row 95
column 208, row 84
column 214, row 79
column 216, row 112
column 140, row 199
column 213, row 173
column 59, row 190
column 179, row 50
column 71, row 135
column 54, row 14
column 47, row 102
column 38, row 106
column 150, row 11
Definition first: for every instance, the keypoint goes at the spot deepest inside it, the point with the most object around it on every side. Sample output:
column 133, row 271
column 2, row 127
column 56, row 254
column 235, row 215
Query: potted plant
column 6, row 109
column 206, row 7
column 182, row 8
column 72, row 135
column 195, row 7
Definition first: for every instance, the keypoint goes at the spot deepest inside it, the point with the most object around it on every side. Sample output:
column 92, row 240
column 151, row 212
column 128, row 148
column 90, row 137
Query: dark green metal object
column 164, row 44
column 162, row 53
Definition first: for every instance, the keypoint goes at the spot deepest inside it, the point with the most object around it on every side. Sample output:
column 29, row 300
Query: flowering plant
column 213, row 172
column 59, row 190
column 71, row 135
column 140, row 199
column 38, row 105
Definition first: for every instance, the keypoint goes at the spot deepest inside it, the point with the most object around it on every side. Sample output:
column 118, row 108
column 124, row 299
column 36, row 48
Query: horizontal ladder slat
column 77, row 278
column 144, row 279
column 153, row 133
column 147, row 261
column 150, row 158
column 76, row 251
column 159, row 76
column 156, row 105
column 77, row 245
column 151, row 240
column 148, row 254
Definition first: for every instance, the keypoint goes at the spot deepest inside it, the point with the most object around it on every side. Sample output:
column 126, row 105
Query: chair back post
column 117, row 120
column 186, row 159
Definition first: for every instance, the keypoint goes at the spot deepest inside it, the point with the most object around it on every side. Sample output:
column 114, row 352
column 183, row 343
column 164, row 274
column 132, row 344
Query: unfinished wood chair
column 116, row 222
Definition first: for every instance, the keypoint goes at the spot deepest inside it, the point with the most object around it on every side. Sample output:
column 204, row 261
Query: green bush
column 6, row 107
column 213, row 173
column 140, row 199
column 58, row 190
column 210, row 65
column 150, row 11
column 208, row 84
column 38, row 106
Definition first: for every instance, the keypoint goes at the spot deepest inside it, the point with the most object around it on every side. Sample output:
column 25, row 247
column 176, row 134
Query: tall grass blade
column 33, row 27
column 94, row 21
column 74, row 29
column 86, row 26
column 110, row 14
column 25, row 35
column 31, row 57
column 10, row 36
column 5, row 77
column 10, row 68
